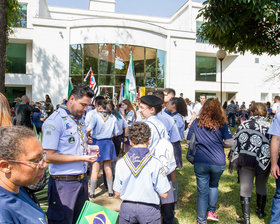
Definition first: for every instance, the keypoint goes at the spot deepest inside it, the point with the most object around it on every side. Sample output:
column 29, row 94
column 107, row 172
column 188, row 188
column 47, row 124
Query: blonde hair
column 5, row 117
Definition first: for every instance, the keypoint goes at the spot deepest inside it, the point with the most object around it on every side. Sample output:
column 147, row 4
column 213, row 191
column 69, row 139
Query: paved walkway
column 101, row 198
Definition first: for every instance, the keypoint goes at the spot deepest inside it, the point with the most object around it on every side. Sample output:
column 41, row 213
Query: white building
column 54, row 43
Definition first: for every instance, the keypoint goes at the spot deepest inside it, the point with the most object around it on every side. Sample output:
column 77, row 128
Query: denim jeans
column 275, row 211
column 207, row 178
column 232, row 117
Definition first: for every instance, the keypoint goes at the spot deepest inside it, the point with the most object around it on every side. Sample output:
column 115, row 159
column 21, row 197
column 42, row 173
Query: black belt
column 69, row 177
column 141, row 203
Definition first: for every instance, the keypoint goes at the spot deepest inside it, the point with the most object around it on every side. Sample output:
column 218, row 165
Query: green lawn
column 228, row 203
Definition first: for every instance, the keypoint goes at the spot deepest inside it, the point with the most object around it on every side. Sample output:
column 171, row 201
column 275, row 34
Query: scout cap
column 151, row 100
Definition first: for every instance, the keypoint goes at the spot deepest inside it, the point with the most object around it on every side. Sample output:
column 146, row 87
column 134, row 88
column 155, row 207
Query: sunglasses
column 27, row 163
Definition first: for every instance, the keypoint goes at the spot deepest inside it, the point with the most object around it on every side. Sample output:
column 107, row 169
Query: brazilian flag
column 96, row 214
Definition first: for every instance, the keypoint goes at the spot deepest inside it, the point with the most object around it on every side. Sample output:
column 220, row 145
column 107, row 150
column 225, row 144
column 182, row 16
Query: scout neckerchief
column 136, row 159
column 169, row 113
column 79, row 124
column 104, row 115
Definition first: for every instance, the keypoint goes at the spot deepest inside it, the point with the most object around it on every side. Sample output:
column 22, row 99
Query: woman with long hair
column 102, row 127
column 128, row 112
column 250, row 156
column 5, row 116
column 212, row 135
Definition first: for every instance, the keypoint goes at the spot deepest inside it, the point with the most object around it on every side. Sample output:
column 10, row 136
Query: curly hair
column 11, row 139
column 211, row 115
column 139, row 133
column 5, row 117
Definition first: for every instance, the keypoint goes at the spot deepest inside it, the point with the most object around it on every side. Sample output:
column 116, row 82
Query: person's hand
column 89, row 141
column 275, row 171
column 90, row 159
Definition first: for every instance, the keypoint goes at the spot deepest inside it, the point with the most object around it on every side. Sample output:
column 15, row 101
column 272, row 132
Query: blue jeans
column 275, row 211
column 232, row 117
column 207, row 178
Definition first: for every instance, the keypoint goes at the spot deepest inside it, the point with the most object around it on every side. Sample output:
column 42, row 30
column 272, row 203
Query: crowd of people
column 86, row 133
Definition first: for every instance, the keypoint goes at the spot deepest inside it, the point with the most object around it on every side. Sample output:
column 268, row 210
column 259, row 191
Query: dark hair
column 11, row 139
column 211, row 115
column 225, row 105
column 82, row 90
column 129, row 107
column 158, row 109
column 277, row 97
column 180, row 104
column 139, row 133
column 268, row 104
column 106, row 105
column 159, row 94
column 170, row 90
column 258, row 109
column 48, row 100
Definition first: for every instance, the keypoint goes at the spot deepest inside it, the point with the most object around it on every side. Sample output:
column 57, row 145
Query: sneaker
column 212, row 216
column 110, row 195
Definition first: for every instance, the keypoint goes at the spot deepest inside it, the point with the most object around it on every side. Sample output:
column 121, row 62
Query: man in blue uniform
column 274, row 130
column 64, row 140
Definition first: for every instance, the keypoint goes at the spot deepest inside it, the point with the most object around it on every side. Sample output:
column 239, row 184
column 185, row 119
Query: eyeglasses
column 38, row 165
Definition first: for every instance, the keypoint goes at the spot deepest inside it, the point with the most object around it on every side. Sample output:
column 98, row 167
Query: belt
column 141, row 203
column 69, row 177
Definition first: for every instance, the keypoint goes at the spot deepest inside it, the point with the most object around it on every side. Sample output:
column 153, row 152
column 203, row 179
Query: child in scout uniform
column 101, row 127
column 140, row 180
column 150, row 106
column 177, row 109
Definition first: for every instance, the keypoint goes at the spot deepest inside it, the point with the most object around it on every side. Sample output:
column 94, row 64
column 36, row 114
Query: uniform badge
column 64, row 118
column 48, row 133
column 50, row 126
column 82, row 124
column 68, row 126
column 71, row 140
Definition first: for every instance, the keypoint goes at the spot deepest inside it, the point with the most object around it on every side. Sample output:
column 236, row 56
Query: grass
column 228, row 206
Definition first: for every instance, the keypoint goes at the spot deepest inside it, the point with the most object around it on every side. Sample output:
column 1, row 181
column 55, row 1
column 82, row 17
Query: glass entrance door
column 107, row 91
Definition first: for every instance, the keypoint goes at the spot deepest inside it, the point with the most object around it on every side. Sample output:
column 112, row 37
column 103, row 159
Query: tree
column 242, row 25
column 9, row 15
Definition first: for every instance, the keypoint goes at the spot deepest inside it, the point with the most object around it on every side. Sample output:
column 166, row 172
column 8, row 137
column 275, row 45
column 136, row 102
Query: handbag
column 192, row 149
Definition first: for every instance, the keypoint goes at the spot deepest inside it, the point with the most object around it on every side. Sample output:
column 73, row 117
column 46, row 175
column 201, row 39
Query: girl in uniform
column 102, row 127
column 128, row 112
column 177, row 109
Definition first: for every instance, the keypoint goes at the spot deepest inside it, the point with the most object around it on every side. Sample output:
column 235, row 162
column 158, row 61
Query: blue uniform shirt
column 146, row 186
column 274, row 128
column 130, row 117
column 121, row 123
column 180, row 123
column 158, row 131
column 61, row 133
column 170, row 126
column 18, row 208
column 101, row 129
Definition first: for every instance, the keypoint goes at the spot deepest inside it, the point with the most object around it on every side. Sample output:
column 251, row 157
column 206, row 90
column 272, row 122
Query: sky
column 161, row 8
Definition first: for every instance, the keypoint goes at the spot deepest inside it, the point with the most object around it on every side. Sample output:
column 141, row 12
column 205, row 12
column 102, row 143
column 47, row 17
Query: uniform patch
column 68, row 126
column 82, row 124
column 162, row 172
column 50, row 126
column 71, row 140
column 64, row 118
column 48, row 133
